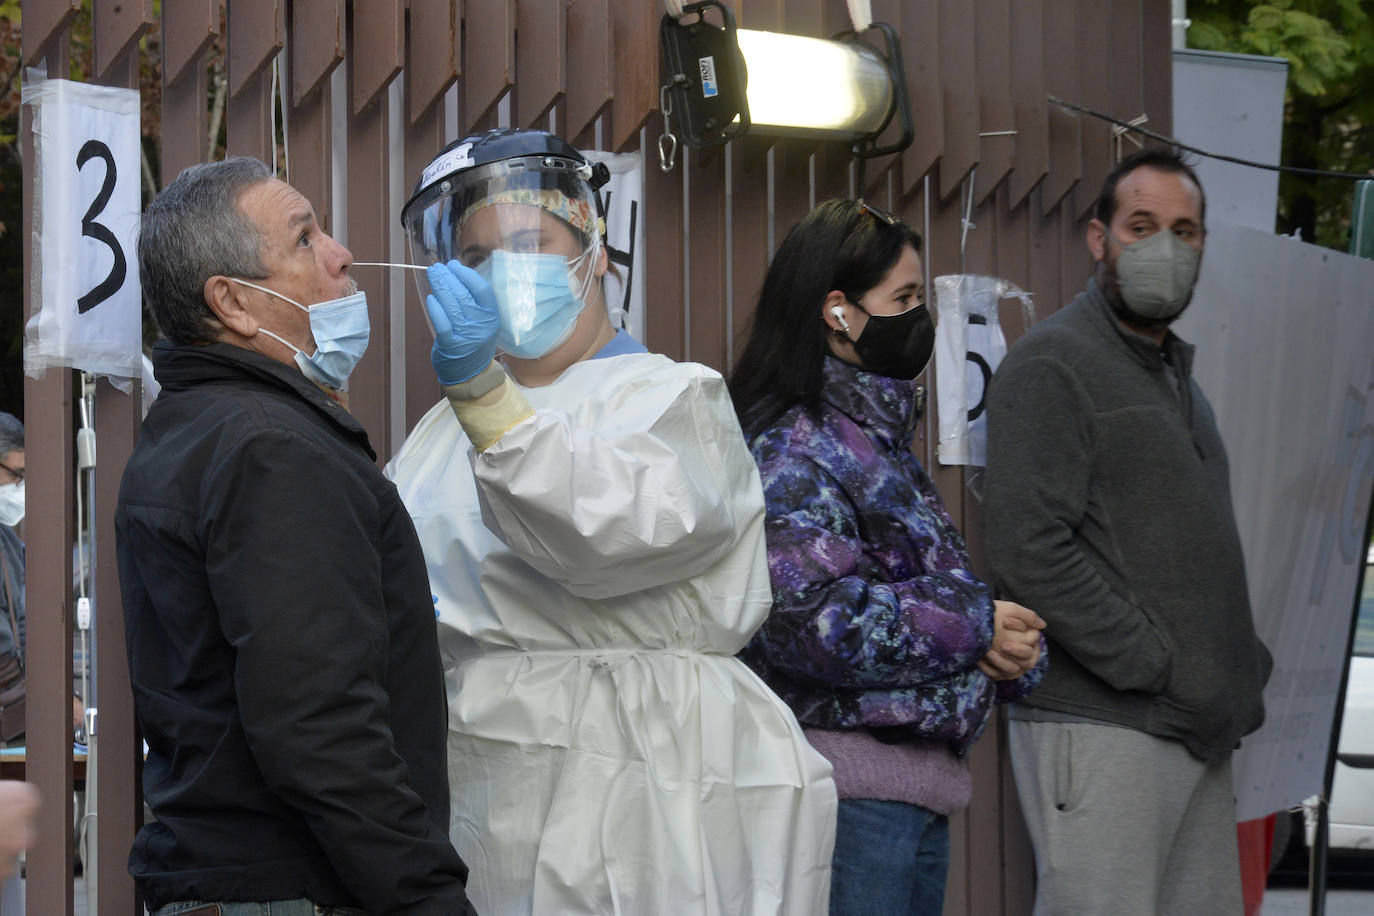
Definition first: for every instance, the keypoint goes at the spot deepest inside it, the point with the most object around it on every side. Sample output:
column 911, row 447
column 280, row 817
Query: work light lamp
column 721, row 82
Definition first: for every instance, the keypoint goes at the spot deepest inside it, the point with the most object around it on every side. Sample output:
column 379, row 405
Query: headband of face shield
column 529, row 225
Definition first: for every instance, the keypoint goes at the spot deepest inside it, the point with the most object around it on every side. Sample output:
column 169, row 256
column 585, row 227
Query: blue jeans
column 890, row 857
column 298, row 907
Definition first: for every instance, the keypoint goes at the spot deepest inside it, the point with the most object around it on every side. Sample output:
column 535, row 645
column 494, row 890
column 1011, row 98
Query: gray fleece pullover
column 1109, row 513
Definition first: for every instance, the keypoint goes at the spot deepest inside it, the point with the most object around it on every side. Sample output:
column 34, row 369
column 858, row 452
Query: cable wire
column 1154, row 135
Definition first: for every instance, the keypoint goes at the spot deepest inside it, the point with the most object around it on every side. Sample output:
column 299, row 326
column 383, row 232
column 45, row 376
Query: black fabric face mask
column 898, row 346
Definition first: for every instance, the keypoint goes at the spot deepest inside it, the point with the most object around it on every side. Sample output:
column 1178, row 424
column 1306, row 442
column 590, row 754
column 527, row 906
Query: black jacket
column 283, row 651
column 1109, row 512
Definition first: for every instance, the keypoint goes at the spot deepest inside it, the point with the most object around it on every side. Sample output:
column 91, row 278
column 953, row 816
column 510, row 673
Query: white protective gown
column 596, row 571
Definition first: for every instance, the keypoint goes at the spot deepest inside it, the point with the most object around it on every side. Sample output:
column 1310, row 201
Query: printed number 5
column 89, row 227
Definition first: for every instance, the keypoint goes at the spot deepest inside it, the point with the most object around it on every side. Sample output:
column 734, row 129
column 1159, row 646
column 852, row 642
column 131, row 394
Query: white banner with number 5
column 85, row 305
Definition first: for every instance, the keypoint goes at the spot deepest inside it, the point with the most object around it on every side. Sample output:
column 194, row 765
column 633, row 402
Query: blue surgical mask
column 341, row 330
column 535, row 296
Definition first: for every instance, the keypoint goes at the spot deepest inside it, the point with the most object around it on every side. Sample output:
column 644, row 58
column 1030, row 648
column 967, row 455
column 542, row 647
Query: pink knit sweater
column 919, row 772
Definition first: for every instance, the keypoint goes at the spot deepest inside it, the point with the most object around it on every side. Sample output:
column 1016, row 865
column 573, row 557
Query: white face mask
column 12, row 503
column 341, row 330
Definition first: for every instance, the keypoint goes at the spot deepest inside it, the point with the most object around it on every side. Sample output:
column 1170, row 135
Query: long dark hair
column 839, row 245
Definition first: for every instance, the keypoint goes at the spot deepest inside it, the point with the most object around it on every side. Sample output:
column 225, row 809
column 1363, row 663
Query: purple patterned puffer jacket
column 877, row 621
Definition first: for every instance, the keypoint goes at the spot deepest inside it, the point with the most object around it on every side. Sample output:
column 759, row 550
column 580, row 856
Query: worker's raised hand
column 462, row 309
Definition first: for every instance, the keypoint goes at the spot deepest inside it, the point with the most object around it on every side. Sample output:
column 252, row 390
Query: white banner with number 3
column 86, row 302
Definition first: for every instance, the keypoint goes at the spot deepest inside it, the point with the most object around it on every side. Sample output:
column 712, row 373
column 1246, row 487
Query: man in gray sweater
column 1109, row 512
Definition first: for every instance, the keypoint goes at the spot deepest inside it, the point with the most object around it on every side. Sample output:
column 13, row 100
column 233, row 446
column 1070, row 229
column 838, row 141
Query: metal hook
column 667, row 141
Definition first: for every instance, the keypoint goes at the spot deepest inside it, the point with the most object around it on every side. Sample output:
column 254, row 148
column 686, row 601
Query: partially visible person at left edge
column 282, row 643
column 12, row 622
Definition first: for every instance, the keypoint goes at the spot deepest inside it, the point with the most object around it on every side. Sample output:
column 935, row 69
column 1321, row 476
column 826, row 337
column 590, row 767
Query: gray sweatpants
column 1125, row 823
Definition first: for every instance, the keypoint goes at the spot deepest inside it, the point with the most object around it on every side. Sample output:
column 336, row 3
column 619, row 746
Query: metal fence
column 998, row 180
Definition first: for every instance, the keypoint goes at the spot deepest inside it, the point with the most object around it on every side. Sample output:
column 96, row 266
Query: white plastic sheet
column 85, row 309
column 624, row 199
column 969, row 346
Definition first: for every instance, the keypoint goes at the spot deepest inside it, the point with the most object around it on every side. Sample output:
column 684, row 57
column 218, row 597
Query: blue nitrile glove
column 462, row 309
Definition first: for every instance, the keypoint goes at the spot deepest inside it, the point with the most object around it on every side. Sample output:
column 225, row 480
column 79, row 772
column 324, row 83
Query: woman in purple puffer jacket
column 891, row 652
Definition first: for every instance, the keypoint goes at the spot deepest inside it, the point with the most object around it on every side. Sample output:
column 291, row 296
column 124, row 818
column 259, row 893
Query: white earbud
column 838, row 312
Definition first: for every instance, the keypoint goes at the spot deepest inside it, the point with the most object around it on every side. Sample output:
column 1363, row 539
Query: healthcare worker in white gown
column 593, row 524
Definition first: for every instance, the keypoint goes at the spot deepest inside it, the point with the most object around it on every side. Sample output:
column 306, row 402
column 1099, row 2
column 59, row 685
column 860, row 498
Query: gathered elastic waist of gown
column 601, row 658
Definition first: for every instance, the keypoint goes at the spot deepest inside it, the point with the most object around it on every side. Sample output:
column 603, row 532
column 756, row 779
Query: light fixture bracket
column 704, row 74
column 867, row 147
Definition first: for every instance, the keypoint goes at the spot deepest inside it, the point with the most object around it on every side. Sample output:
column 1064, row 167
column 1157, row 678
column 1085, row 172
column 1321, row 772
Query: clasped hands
column 1015, row 641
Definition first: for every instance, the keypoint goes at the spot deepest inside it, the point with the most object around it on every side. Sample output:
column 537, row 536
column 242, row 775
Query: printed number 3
column 106, row 288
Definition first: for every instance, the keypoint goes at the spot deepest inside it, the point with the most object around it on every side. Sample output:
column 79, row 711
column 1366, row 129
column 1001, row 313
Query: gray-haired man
column 282, row 643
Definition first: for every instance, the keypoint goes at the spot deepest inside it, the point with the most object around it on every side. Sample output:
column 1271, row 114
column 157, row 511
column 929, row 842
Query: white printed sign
column 1283, row 330
column 623, row 197
column 85, row 308
column 969, row 347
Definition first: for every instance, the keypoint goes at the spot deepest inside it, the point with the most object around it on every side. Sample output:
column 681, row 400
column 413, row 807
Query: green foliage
column 1329, row 110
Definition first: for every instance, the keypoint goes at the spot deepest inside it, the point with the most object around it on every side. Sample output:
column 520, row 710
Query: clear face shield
column 529, row 227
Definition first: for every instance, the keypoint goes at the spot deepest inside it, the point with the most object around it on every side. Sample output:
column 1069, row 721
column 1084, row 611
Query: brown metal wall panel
column 833, row 161
column 793, row 159
column 369, row 223
column 117, row 416
column 48, row 558
column 43, row 21
column 317, row 45
column 489, row 58
column 980, row 251
column 1044, row 261
column 960, row 869
column 804, row 17
column 248, row 119
column 959, row 85
column 188, row 29
column 984, row 821
column 312, row 165
column 919, row 31
column 48, row 569
column 589, row 56
column 48, row 441
column 706, row 307
column 996, row 49
column 635, row 82
column 116, row 26
column 749, row 235
column 1128, row 99
column 1028, row 78
column 433, row 55
column 1061, row 57
column 1018, row 863
column 663, row 260
column 257, row 31
column 876, row 169
column 1157, row 64
column 424, row 138
column 185, row 122
column 792, row 190
column 541, row 34
column 382, row 25
column 1013, row 238
column 1095, row 68
column 1075, row 262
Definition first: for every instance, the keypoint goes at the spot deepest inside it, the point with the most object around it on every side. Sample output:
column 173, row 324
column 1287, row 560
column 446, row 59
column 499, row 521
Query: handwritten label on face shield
column 457, row 158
